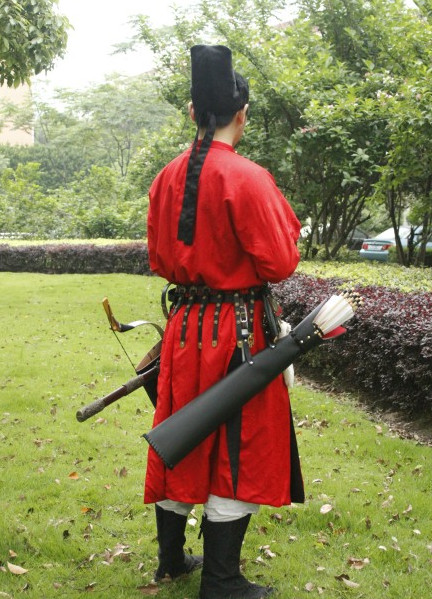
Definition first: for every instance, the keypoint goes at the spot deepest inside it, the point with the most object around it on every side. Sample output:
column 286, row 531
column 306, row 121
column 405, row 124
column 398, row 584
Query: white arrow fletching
column 337, row 310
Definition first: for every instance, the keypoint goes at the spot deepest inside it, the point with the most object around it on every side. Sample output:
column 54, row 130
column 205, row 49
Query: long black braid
column 186, row 228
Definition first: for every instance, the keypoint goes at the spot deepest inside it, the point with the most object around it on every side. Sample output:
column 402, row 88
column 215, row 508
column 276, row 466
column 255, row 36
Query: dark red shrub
column 129, row 258
column 387, row 351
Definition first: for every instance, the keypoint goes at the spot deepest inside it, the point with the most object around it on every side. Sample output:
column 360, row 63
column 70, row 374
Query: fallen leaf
column 265, row 549
column 346, row 580
column 73, row 475
column 123, row 472
column 322, row 540
column 149, row 589
column 12, row 553
column 326, row 508
column 387, row 502
column 276, row 517
column 309, row 587
column 90, row 586
column 16, row 569
column 350, row 583
column 357, row 563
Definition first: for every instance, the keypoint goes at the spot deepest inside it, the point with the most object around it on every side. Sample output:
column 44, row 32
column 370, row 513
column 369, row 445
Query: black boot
column 221, row 578
column 173, row 561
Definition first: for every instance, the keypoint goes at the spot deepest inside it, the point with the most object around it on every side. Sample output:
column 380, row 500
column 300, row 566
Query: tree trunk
column 394, row 213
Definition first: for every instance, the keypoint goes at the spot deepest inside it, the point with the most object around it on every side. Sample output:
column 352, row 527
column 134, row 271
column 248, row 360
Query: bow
column 119, row 327
column 147, row 370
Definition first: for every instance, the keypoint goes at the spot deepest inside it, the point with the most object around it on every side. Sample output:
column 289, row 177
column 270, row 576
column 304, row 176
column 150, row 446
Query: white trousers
column 217, row 509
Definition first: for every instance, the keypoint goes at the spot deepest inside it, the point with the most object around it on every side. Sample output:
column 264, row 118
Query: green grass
column 59, row 354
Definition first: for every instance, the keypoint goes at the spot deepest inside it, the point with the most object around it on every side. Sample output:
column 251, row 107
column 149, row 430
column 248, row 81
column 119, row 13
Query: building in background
column 8, row 133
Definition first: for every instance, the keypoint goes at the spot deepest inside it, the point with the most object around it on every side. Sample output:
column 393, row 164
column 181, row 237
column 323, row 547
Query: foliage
column 71, row 496
column 95, row 204
column 23, row 206
column 85, row 143
column 157, row 149
column 367, row 273
column 333, row 100
column 387, row 351
column 103, row 125
column 83, row 258
column 118, row 113
column 33, row 34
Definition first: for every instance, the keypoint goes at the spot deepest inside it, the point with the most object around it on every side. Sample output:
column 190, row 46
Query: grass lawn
column 71, row 494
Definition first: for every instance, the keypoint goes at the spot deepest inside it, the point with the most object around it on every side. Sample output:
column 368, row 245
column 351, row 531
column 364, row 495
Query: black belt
column 243, row 301
column 197, row 293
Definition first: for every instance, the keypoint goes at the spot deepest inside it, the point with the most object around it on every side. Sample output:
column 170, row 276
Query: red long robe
column 245, row 235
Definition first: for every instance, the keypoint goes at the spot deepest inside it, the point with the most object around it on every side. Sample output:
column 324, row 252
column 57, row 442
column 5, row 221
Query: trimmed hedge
column 387, row 351
column 131, row 258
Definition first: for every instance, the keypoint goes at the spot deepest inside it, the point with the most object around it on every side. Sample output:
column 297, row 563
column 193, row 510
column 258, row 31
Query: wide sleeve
column 266, row 227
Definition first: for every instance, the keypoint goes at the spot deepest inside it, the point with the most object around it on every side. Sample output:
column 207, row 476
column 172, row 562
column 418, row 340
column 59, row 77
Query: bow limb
column 119, row 327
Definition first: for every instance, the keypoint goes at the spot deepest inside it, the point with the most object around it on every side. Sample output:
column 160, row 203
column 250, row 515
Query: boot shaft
column 222, row 546
column 221, row 577
column 171, row 539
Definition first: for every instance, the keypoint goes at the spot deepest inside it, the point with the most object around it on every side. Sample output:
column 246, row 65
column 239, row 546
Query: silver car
column 378, row 247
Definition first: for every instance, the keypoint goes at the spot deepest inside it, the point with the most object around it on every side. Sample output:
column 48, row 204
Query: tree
column 117, row 113
column 103, row 125
column 32, row 35
column 24, row 208
column 325, row 92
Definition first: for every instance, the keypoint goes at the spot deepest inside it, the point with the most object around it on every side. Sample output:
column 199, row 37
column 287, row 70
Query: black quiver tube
column 178, row 435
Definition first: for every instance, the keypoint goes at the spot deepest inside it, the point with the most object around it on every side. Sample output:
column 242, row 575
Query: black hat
column 217, row 90
column 214, row 87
